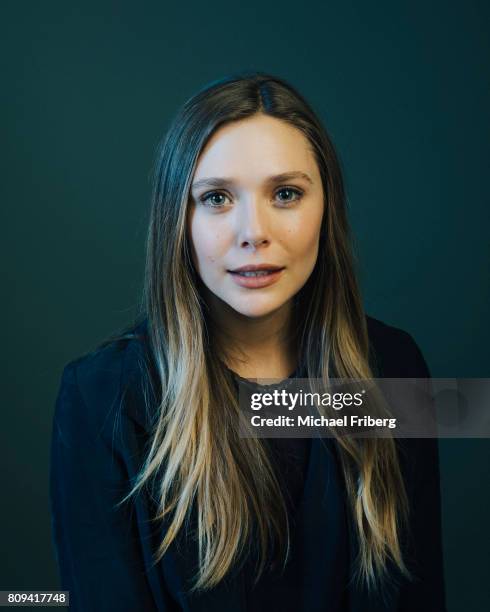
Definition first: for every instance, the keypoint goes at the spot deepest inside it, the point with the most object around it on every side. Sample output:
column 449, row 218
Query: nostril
column 256, row 242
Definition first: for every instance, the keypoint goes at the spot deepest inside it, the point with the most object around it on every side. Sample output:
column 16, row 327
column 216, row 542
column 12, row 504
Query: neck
column 255, row 347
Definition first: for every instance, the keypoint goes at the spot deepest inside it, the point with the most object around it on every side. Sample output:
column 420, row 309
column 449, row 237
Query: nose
column 253, row 226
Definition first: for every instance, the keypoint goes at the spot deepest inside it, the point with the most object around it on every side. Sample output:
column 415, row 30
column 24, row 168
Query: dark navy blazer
column 104, row 554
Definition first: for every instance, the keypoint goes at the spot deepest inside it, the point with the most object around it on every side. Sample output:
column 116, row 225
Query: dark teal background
column 403, row 88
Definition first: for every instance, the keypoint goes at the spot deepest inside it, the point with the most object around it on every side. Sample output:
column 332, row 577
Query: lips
column 256, row 276
column 256, row 270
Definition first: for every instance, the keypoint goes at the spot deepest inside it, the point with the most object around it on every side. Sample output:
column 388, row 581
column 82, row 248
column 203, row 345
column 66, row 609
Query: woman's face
column 256, row 199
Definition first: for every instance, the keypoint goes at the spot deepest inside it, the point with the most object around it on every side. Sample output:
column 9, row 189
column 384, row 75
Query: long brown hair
column 196, row 457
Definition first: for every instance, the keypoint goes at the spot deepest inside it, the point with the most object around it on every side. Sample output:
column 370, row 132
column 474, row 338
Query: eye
column 289, row 195
column 213, row 199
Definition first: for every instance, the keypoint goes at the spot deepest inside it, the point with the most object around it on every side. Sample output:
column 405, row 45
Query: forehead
column 256, row 146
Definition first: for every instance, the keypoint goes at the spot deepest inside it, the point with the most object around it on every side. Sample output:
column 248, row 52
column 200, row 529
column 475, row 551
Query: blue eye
column 292, row 191
column 209, row 199
column 217, row 199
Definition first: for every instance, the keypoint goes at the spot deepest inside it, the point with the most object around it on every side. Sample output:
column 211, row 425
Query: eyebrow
column 215, row 181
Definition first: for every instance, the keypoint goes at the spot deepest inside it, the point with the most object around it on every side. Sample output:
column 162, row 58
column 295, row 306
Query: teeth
column 255, row 273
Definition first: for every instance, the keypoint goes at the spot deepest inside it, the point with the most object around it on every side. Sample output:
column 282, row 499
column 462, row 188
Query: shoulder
column 94, row 385
column 393, row 352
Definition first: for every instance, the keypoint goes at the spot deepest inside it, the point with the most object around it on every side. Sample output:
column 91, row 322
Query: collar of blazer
column 182, row 556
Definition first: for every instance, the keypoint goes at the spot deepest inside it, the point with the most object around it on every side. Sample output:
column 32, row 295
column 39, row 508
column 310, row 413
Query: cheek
column 210, row 243
column 301, row 238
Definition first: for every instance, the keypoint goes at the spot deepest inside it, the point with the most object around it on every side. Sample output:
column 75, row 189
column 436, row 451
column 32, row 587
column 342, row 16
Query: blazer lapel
column 178, row 566
column 359, row 599
column 324, row 544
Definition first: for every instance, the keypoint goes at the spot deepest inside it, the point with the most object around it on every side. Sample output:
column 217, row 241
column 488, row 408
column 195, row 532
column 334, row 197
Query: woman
column 157, row 502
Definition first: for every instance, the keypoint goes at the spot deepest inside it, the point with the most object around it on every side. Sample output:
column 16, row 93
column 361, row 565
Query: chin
column 254, row 314
column 255, row 310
